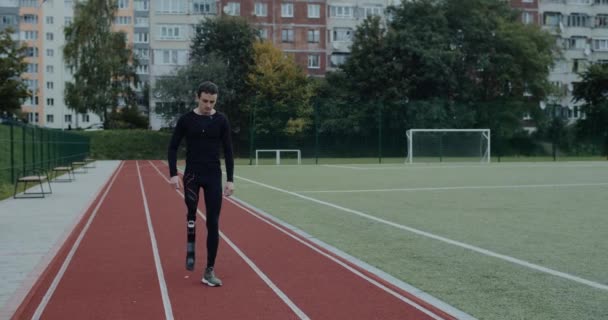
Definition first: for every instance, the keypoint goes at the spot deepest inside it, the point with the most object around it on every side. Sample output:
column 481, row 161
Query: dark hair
column 207, row 87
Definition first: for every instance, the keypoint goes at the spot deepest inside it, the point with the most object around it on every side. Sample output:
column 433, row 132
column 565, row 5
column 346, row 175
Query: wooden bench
column 82, row 166
column 90, row 163
column 35, row 176
column 67, row 169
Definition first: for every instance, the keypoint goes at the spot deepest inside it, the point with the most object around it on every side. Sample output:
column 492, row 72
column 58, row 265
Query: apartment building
column 581, row 30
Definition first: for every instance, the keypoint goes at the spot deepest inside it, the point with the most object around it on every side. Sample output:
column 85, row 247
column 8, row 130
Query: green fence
column 24, row 148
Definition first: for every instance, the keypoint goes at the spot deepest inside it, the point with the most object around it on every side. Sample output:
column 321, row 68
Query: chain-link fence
column 24, row 148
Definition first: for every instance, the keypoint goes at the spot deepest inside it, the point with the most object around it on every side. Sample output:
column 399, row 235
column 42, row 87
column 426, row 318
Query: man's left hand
column 229, row 189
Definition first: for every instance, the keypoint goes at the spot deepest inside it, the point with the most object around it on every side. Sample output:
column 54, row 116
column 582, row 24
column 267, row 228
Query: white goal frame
column 278, row 154
column 485, row 133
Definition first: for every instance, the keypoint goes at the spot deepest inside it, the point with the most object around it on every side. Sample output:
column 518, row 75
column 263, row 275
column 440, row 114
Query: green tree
column 231, row 39
column 282, row 99
column 102, row 64
column 176, row 93
column 592, row 92
column 12, row 88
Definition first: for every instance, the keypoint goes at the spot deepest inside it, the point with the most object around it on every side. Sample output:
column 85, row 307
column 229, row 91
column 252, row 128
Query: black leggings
column 211, row 182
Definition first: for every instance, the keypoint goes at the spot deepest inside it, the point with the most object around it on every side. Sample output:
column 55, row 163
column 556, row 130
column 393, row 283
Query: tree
column 282, row 99
column 103, row 66
column 12, row 88
column 592, row 92
column 176, row 93
column 231, row 39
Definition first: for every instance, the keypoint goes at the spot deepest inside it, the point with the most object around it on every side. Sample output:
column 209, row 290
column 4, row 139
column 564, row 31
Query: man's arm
column 228, row 158
column 176, row 138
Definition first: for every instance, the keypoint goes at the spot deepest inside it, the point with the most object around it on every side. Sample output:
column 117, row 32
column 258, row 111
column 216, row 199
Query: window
column 68, row 3
column 577, row 42
column 287, row 35
column 314, row 36
column 342, row 34
column 600, row 44
column 373, row 11
column 30, row 35
column 122, row 20
column 170, row 32
column 32, row 85
column 68, row 21
column 141, row 37
column 36, row 117
column 141, row 5
column 601, row 1
column 314, row 11
column 32, row 68
column 8, row 20
column 85, row 118
column 50, row 102
column 314, row 62
column 31, row 52
column 263, row 34
column 601, row 21
column 123, row 4
column 50, row 52
column 527, row 17
column 261, row 9
column 552, row 19
column 29, row 19
column 233, row 9
column 50, row 85
column 203, row 6
column 50, row 69
column 142, row 22
column 142, row 53
column 341, row 12
column 171, row 6
column 68, row 118
column 49, row 36
column 49, row 20
column 50, row 118
column 142, row 69
column 287, row 10
column 578, row 20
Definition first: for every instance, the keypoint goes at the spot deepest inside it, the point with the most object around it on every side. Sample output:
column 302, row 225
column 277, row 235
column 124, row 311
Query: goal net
column 278, row 156
column 456, row 145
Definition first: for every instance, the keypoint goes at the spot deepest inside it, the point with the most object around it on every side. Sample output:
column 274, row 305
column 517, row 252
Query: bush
column 129, row 144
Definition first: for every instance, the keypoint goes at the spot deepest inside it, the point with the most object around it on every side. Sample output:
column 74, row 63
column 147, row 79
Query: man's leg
column 191, row 189
column 213, row 204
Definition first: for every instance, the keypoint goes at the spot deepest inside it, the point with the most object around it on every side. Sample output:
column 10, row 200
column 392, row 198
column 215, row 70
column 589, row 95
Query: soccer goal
column 277, row 154
column 458, row 145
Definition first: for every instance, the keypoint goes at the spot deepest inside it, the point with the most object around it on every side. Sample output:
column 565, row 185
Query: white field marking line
column 159, row 268
column 448, row 309
column 443, row 239
column 489, row 166
column 462, row 188
column 249, row 262
column 346, row 266
column 49, row 292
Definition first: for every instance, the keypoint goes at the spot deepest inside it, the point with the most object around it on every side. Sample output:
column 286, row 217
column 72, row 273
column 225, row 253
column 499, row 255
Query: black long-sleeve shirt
column 204, row 135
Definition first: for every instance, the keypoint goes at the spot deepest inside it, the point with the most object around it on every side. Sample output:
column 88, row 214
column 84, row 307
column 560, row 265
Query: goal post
column 448, row 144
column 277, row 153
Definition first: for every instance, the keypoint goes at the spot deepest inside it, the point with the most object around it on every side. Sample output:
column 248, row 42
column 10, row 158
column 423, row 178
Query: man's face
column 206, row 102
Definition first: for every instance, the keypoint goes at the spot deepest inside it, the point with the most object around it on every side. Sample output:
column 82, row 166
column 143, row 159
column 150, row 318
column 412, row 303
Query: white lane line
column 249, row 262
column 440, row 238
column 501, row 165
column 49, row 292
column 362, row 265
column 344, row 167
column 564, row 185
column 344, row 265
column 159, row 268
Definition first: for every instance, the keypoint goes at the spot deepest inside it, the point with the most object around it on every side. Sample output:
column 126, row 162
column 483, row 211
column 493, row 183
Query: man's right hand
column 175, row 181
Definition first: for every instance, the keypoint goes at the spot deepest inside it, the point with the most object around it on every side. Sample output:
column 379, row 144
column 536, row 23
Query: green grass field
column 498, row 241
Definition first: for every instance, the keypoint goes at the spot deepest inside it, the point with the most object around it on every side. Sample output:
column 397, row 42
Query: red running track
column 125, row 260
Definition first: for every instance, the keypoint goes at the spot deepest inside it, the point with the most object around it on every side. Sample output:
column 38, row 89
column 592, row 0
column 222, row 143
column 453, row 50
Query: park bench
column 33, row 176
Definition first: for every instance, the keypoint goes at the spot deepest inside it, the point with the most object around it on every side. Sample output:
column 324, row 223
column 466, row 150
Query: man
column 205, row 130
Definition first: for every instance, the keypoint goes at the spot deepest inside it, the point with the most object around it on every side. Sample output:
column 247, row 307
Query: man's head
column 207, row 96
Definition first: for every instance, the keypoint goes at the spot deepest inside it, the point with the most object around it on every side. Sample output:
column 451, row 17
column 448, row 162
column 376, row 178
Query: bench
column 68, row 169
column 34, row 176
column 90, row 163
column 81, row 164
